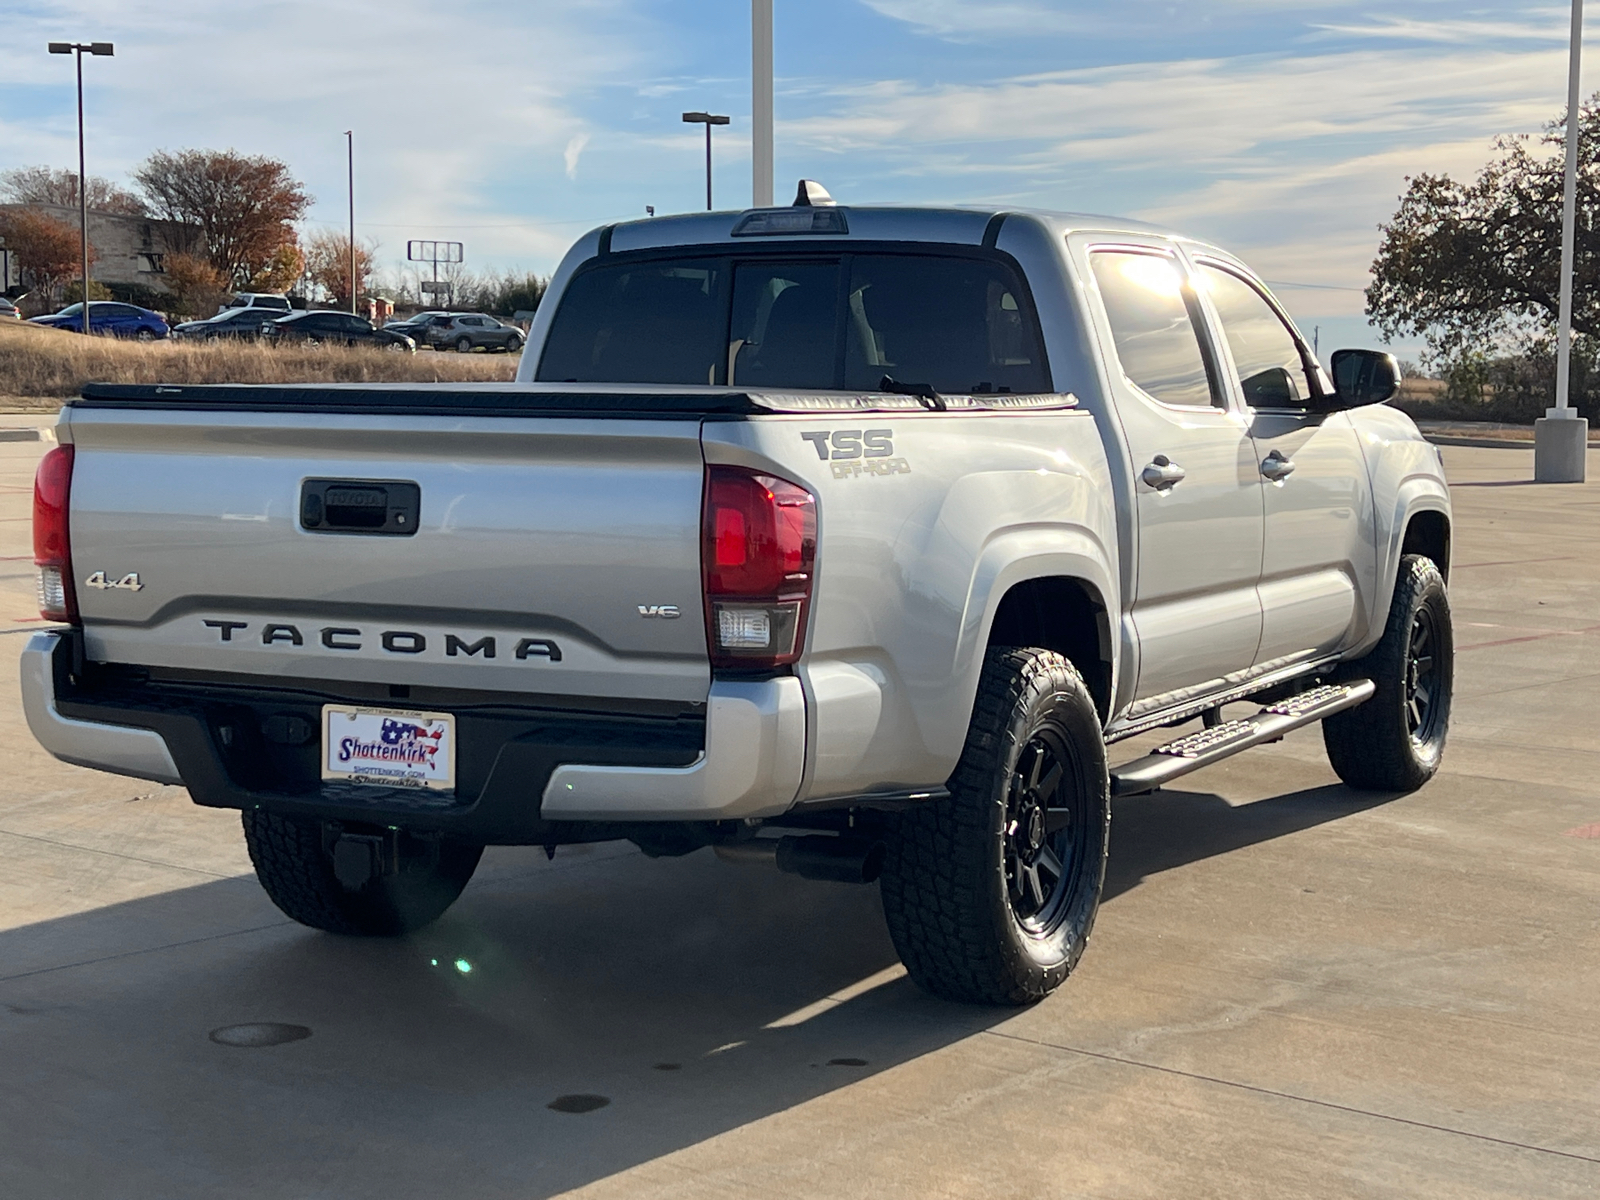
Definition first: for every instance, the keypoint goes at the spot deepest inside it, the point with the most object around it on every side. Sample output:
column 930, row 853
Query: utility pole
column 350, row 147
column 1561, row 437
column 104, row 49
column 761, row 103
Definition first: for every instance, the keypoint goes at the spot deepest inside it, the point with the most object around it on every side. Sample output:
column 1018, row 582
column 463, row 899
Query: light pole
column 708, row 120
column 350, row 148
column 761, row 103
column 103, row 49
column 1561, row 437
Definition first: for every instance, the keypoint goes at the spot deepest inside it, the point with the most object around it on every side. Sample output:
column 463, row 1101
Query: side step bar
column 1207, row 746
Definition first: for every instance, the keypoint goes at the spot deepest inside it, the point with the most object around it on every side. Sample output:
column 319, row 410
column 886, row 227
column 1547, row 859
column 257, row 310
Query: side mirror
column 1362, row 377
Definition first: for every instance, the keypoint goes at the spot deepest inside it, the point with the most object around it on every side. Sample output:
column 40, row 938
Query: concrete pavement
column 1292, row 990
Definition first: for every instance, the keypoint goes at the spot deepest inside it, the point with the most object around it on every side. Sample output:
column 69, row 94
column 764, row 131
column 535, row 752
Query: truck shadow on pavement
column 684, row 998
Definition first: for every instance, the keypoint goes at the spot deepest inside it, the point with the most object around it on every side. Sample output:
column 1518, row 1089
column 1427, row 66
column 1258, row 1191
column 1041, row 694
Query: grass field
column 40, row 367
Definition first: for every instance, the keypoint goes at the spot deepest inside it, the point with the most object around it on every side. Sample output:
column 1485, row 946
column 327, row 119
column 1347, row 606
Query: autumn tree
column 197, row 287
column 48, row 250
column 1470, row 266
column 44, row 185
column 327, row 257
column 242, row 208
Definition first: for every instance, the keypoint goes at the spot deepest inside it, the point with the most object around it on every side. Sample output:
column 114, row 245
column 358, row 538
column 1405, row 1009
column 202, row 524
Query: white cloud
column 1554, row 29
column 573, row 152
column 1291, row 161
column 956, row 18
column 453, row 131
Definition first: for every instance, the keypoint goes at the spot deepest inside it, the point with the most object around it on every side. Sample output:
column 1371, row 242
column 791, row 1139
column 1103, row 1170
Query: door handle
column 1162, row 473
column 1275, row 466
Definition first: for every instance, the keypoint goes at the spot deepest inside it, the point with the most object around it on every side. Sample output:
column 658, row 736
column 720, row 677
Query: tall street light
column 103, row 49
column 708, row 120
column 350, row 149
column 761, row 103
column 1561, row 437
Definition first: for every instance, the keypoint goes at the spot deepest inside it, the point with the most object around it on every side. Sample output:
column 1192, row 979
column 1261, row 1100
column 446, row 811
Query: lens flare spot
column 463, row 966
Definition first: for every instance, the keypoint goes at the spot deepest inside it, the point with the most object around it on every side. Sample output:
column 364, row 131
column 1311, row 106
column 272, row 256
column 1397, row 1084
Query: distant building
column 130, row 252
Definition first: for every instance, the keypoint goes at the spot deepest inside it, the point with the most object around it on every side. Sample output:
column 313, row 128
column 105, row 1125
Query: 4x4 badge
column 128, row 583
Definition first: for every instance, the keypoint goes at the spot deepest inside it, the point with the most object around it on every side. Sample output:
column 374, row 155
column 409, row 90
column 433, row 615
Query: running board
column 1206, row 746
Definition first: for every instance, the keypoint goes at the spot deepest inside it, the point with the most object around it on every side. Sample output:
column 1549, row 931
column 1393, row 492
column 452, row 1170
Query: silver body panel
column 560, row 528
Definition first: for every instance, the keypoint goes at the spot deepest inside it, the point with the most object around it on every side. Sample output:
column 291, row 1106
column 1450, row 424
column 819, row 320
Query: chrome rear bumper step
column 1206, row 746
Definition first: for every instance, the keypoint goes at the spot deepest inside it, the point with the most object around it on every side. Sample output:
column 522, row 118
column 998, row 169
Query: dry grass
column 39, row 367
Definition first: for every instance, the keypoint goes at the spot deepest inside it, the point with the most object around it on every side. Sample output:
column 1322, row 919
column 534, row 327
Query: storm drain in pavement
column 259, row 1033
column 580, row 1102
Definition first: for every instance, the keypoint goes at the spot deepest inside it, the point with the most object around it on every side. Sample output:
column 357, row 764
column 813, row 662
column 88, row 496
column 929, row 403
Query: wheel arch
column 1420, row 524
column 1064, row 613
column 1427, row 532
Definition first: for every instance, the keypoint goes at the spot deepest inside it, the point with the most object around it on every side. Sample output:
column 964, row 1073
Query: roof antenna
column 813, row 195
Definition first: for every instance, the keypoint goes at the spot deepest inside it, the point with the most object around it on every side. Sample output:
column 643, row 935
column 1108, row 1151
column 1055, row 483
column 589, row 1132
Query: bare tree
column 327, row 265
column 242, row 208
column 45, row 185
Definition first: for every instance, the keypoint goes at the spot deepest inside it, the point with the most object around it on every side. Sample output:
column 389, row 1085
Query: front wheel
column 295, row 865
column 513, row 344
column 1395, row 741
column 990, row 892
column 145, row 335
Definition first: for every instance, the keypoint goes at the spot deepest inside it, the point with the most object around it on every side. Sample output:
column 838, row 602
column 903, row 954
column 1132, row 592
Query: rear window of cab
column 963, row 324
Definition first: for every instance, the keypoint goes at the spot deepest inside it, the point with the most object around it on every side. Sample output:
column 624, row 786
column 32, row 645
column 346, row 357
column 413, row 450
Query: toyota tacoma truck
column 847, row 539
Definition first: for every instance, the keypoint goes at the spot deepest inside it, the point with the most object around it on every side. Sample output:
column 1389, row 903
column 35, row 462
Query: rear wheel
column 295, row 863
column 463, row 345
column 990, row 893
column 1395, row 741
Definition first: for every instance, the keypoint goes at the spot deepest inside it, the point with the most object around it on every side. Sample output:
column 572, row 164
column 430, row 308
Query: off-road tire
column 297, row 872
column 948, row 877
column 1380, row 746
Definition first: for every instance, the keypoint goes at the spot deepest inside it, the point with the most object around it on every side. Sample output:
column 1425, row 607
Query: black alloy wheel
column 1421, row 677
column 1394, row 742
column 1041, row 860
column 990, row 891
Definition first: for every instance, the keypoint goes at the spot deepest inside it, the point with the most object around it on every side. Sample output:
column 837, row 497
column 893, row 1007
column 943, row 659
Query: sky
column 1283, row 130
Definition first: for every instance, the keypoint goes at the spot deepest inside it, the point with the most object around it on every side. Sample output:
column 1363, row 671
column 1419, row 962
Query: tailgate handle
column 386, row 507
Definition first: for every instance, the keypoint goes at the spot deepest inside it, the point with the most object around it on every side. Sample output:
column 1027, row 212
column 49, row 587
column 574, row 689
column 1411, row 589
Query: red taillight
column 759, row 553
column 52, row 543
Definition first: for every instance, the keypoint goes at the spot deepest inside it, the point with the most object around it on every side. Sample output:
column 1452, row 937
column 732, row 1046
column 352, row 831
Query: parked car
column 850, row 541
column 321, row 327
column 9, row 311
column 270, row 300
column 464, row 332
column 243, row 323
column 416, row 326
column 110, row 317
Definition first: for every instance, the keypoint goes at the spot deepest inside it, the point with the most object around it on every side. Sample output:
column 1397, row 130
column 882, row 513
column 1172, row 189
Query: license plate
column 393, row 747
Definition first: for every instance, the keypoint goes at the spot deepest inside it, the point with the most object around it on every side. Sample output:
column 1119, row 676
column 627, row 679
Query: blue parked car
column 109, row 317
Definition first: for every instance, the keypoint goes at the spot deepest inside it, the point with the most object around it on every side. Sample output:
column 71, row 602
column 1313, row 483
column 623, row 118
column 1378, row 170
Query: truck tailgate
column 549, row 554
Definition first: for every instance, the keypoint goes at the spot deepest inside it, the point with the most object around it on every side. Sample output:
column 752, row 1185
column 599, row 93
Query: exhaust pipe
column 829, row 859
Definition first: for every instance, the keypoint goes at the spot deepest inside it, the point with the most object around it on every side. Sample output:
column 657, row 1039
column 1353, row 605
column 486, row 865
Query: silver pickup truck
column 846, row 539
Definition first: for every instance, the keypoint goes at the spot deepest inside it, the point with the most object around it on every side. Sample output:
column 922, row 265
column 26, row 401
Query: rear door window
column 1154, row 326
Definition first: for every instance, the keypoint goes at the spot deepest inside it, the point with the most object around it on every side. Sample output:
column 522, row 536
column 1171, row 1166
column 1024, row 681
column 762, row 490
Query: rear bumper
column 523, row 778
column 123, row 749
